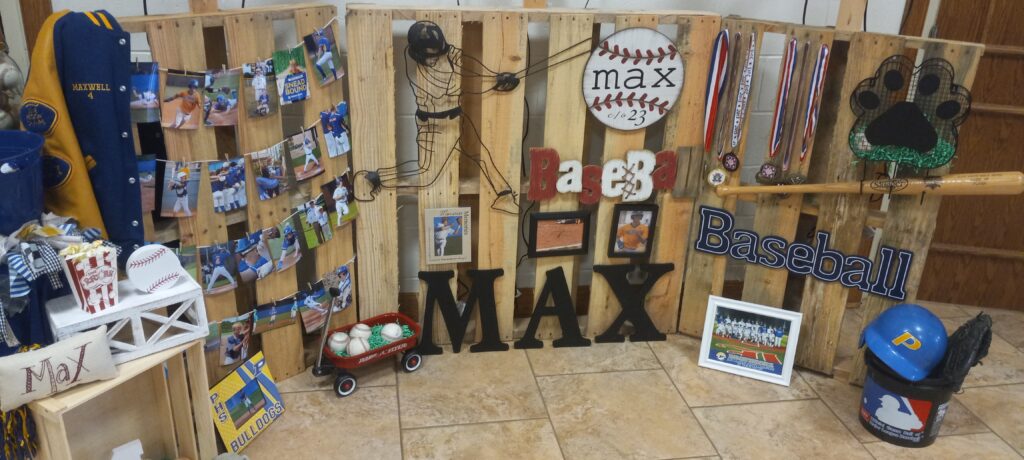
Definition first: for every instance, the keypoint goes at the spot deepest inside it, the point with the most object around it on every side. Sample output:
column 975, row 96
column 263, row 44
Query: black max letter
column 632, row 297
column 482, row 292
column 663, row 77
column 555, row 286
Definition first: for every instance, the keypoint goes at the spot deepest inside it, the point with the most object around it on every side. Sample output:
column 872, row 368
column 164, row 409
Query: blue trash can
column 22, row 184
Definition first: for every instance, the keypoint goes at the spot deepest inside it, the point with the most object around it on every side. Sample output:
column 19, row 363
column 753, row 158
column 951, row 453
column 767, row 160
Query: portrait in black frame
column 632, row 233
column 559, row 233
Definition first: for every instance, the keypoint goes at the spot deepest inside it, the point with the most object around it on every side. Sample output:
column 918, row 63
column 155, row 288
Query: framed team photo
column 292, row 84
column 259, row 83
column 217, row 268
column 323, row 55
column 559, row 233
column 448, row 233
column 183, row 100
column 221, row 106
column 227, row 184
column 304, row 150
column 632, row 230
column 144, row 102
column 751, row 340
column 270, row 168
column 252, row 257
column 340, row 200
column 181, row 189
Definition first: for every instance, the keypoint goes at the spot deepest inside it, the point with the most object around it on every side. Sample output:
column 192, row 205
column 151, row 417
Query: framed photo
column 448, row 232
column 751, row 340
column 559, row 233
column 632, row 230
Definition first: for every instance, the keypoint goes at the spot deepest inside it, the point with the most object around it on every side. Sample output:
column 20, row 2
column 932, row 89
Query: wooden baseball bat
column 990, row 183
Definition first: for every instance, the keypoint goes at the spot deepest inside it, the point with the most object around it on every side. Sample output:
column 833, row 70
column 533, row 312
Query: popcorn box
column 92, row 274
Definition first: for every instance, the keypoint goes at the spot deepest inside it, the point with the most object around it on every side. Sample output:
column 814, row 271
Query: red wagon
column 344, row 382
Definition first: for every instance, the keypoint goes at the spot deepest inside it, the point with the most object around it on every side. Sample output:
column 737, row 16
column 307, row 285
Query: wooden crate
column 167, row 409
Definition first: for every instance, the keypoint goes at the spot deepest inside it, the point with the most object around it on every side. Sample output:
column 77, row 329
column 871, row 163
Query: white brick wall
column 883, row 16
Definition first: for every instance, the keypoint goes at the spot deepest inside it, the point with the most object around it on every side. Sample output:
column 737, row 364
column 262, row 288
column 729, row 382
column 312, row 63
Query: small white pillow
column 26, row 377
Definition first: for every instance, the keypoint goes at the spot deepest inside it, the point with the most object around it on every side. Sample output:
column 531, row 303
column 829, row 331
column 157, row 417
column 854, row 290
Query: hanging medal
column 814, row 94
column 731, row 161
column 803, row 57
column 770, row 171
column 717, row 74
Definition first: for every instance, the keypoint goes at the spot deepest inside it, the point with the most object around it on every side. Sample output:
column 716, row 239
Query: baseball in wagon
column 360, row 330
column 391, row 332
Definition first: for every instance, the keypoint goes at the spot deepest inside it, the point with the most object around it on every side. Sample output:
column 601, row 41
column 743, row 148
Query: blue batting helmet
column 343, row 270
column 193, row 84
column 908, row 338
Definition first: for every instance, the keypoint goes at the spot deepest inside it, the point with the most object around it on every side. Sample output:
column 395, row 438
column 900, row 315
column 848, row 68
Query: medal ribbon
column 780, row 99
column 744, row 93
column 717, row 74
column 814, row 98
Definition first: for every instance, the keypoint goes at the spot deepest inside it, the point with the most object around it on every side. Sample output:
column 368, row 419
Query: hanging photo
column 312, row 222
column 252, row 257
column 147, row 182
column 188, row 256
column 341, row 278
column 313, row 306
column 334, row 124
column 235, row 334
column 181, row 189
column 291, row 75
column 183, row 98
column 217, row 266
column 144, row 103
column 212, row 338
column 448, row 233
column 283, row 242
column 275, row 315
column 221, row 107
column 324, row 55
column 559, row 233
column 632, row 230
column 750, row 340
column 261, row 97
column 245, row 403
column 340, row 200
column 270, row 167
column 304, row 150
column 227, row 183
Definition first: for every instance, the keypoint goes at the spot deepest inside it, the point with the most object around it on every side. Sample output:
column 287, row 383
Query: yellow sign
column 245, row 403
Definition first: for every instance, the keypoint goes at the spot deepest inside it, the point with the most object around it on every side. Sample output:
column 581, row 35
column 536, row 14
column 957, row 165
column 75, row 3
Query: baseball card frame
column 652, row 225
column 538, row 217
column 749, row 347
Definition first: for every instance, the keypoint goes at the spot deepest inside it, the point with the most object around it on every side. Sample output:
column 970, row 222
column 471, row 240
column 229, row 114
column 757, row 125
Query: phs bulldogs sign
column 633, row 78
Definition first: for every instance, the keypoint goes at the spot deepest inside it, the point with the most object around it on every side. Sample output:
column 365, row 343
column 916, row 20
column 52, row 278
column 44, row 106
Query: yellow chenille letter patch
column 908, row 340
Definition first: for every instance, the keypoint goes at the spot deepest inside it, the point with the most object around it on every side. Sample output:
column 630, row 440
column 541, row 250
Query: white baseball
column 6, row 120
column 391, row 332
column 339, row 342
column 633, row 78
column 10, row 77
column 154, row 267
column 360, row 330
column 357, row 346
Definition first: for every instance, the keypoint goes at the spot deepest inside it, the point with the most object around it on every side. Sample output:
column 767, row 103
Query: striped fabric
column 814, row 98
column 717, row 74
column 20, row 275
column 789, row 67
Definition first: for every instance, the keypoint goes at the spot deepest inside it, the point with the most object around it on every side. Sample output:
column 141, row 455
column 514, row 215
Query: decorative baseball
column 153, row 267
column 10, row 77
column 339, row 342
column 360, row 330
column 391, row 332
column 357, row 346
column 633, row 78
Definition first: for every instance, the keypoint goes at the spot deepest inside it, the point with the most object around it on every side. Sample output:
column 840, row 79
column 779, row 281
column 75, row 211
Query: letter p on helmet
column 908, row 340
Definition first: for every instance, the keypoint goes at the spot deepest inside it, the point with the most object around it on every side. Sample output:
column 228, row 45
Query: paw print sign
column 909, row 115
column 633, row 78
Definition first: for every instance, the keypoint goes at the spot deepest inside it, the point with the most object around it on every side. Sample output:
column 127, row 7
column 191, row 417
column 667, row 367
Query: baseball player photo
column 335, row 129
column 340, row 200
column 448, row 234
column 183, row 100
column 144, row 102
column 270, row 168
column 235, row 333
column 275, row 315
column 221, row 106
column 189, row 258
column 304, row 150
column 313, row 305
column 283, row 242
column 341, row 278
column 303, row 218
column 227, row 185
column 252, row 257
column 217, row 267
column 147, row 182
column 633, row 230
column 292, row 85
column 181, row 189
column 323, row 53
column 260, row 88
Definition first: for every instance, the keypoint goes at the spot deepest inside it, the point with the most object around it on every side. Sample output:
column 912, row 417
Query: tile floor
column 631, row 400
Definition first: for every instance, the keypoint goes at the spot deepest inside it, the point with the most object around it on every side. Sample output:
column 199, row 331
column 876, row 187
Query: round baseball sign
column 633, row 78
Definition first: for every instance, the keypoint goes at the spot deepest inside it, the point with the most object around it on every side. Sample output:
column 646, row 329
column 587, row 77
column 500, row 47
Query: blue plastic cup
column 22, row 183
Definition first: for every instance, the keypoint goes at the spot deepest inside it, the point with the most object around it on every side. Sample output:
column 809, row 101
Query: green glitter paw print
column 909, row 115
